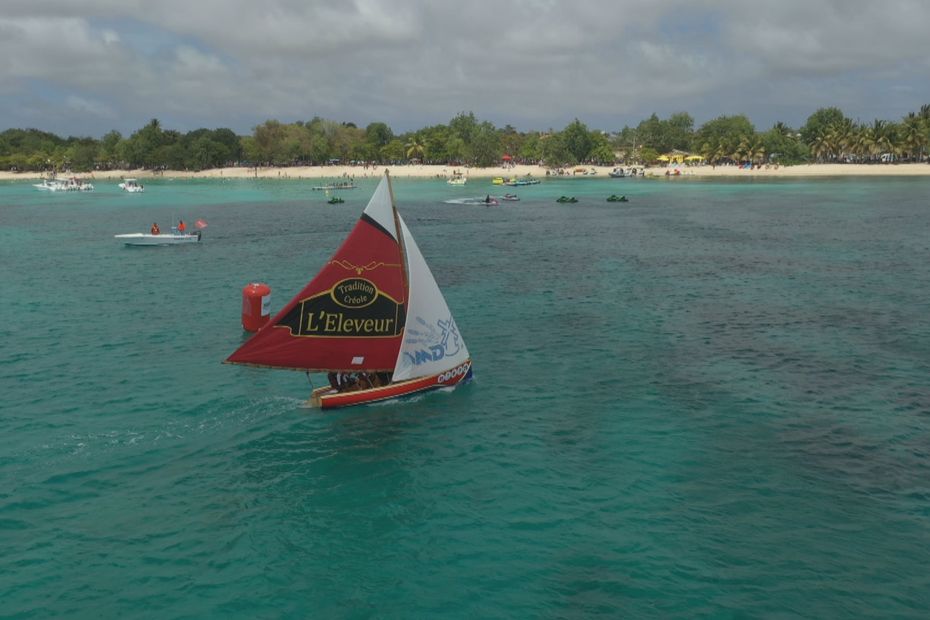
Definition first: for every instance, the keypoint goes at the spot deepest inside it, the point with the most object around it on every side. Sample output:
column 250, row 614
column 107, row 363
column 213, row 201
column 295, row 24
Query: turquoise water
column 710, row 401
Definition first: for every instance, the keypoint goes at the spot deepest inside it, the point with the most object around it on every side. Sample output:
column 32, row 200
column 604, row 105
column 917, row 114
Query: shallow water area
column 710, row 400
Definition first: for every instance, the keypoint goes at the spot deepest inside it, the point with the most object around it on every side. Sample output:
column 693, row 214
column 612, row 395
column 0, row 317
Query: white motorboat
column 172, row 238
column 132, row 186
column 72, row 184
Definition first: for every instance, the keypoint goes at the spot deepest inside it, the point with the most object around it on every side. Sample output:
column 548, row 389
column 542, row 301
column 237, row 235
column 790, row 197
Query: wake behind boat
column 373, row 318
column 488, row 200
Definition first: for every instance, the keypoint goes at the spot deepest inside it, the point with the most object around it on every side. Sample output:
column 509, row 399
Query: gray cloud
column 83, row 69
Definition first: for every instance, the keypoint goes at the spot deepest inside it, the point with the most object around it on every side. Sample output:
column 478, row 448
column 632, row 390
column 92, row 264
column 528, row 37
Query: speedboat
column 510, row 197
column 72, row 184
column 132, row 186
column 336, row 185
column 457, row 179
column 172, row 238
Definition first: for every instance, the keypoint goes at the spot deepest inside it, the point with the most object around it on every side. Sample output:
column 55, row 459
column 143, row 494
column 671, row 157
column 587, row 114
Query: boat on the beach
column 373, row 319
column 337, row 185
column 620, row 173
column 132, row 186
column 172, row 238
column 581, row 171
column 71, row 184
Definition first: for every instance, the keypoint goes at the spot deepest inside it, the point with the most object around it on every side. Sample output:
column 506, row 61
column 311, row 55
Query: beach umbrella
column 662, row 157
column 693, row 157
column 506, row 157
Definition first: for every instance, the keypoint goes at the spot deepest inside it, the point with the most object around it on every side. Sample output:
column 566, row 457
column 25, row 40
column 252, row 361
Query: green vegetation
column 827, row 136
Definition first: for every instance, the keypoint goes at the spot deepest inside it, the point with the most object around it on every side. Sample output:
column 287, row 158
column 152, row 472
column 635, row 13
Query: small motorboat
column 616, row 198
column 132, row 186
column 172, row 238
column 566, row 199
column 335, row 200
column 72, row 184
column 510, row 197
column 335, row 186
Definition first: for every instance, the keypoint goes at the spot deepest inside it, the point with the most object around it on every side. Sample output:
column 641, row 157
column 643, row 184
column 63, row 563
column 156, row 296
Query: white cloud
column 530, row 63
column 89, row 107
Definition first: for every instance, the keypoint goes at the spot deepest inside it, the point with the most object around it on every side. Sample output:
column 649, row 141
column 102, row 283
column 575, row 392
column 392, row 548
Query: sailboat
column 373, row 318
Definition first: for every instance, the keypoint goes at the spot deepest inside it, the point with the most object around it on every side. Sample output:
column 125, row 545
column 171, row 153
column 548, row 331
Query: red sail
column 351, row 315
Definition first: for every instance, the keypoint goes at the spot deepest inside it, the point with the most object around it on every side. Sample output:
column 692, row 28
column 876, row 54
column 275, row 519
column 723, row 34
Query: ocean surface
column 710, row 401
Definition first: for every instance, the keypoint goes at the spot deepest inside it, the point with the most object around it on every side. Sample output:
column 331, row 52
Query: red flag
column 201, row 223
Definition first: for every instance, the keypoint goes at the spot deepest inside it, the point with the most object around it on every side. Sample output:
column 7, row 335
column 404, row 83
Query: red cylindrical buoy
column 256, row 306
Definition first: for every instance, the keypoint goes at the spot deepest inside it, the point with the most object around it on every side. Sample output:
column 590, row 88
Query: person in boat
column 182, row 227
column 155, row 230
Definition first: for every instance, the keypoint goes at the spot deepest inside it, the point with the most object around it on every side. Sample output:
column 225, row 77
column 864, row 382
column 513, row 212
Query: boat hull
column 328, row 398
column 162, row 239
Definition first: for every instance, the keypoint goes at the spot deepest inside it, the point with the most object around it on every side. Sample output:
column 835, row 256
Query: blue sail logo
column 432, row 342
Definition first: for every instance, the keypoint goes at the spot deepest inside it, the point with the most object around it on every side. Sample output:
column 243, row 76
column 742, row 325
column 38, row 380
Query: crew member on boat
column 181, row 226
column 354, row 381
column 155, row 229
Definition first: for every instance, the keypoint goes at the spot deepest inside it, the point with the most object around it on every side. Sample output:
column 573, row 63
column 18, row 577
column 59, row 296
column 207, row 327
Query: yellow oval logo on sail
column 354, row 293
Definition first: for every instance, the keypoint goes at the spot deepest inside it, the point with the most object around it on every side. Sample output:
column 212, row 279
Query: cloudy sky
column 83, row 67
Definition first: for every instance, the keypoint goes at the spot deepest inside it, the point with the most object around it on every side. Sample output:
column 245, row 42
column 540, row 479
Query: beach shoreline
column 438, row 171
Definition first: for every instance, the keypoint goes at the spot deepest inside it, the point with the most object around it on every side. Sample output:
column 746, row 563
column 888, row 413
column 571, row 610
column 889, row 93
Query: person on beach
column 155, row 230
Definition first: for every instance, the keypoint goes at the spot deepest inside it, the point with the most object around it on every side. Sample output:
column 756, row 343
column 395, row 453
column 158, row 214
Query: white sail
column 381, row 209
column 432, row 343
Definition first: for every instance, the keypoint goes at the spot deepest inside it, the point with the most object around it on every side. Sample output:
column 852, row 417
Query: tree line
column 827, row 136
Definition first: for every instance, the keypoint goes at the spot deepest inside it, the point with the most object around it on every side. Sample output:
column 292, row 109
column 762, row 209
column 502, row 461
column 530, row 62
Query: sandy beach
column 434, row 171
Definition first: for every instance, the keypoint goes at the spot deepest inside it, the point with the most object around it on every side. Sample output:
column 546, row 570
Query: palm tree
column 416, row 148
column 822, row 146
column 913, row 136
